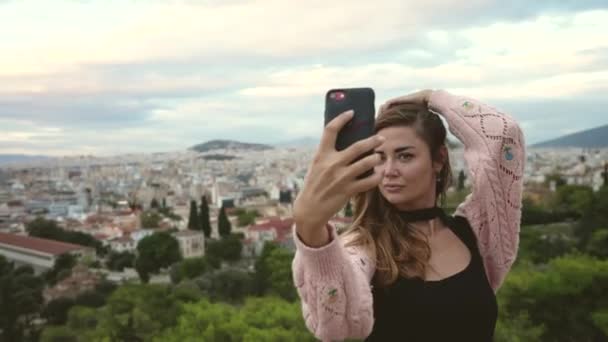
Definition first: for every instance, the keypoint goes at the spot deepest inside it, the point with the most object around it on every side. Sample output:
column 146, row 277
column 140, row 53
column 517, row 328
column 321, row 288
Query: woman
column 405, row 270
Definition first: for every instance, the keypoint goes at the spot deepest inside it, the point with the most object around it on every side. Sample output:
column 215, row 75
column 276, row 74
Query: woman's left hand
column 420, row 98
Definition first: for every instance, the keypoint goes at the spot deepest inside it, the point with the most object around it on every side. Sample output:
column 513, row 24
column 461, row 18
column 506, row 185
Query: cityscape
column 108, row 198
column 118, row 202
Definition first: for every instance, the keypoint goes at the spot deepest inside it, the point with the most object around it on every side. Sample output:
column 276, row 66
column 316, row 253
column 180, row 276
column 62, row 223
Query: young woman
column 405, row 270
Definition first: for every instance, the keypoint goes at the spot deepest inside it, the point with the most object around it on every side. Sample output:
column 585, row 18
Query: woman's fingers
column 330, row 133
column 364, row 184
column 361, row 147
column 362, row 165
column 399, row 101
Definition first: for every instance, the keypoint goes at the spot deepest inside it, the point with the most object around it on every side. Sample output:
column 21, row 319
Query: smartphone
column 361, row 126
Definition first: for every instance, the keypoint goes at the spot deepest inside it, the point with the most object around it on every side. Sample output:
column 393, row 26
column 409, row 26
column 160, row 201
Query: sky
column 113, row 77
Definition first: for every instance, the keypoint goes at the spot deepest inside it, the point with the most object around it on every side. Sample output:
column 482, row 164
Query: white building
column 123, row 244
column 76, row 212
column 58, row 210
column 36, row 252
column 191, row 243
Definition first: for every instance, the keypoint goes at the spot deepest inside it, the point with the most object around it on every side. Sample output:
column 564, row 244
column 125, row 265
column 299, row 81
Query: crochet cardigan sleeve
column 333, row 283
column 494, row 151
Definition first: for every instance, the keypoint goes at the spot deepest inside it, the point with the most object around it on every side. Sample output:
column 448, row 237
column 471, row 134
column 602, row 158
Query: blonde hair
column 378, row 226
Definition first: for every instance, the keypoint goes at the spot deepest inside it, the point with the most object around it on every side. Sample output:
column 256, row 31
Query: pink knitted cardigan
column 333, row 281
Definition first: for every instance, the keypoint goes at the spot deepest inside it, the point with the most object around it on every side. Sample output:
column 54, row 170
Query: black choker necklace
column 420, row 214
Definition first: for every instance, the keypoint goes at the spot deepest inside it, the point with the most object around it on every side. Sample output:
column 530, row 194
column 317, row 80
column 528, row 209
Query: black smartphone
column 361, row 126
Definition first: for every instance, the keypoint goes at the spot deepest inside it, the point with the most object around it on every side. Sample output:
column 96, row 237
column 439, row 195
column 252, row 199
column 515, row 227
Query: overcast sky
column 109, row 77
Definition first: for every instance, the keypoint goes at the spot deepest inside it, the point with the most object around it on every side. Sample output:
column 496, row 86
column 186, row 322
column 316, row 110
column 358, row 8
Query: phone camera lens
column 337, row 95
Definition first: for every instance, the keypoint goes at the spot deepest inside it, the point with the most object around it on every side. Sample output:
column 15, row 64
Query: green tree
column 557, row 178
column 204, row 219
column 150, row 219
column 517, row 328
column 133, row 313
column 246, row 217
column 118, row 261
column 259, row 319
column 91, row 299
column 193, row 219
column 58, row 334
column 281, row 279
column 461, row 178
column 595, row 219
column 48, row 229
column 187, row 292
column 576, row 282
column 348, row 210
column 56, row 311
column 154, row 252
column 154, row 204
column 224, row 226
column 20, row 300
column 228, row 285
column 168, row 213
column 262, row 269
column 61, row 269
column 573, row 198
column 598, row 244
column 84, row 321
column 105, row 287
column 227, row 249
column 189, row 269
column 540, row 245
column 605, row 175
column 273, row 272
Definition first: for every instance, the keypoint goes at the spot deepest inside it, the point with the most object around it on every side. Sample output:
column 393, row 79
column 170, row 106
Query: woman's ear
column 440, row 161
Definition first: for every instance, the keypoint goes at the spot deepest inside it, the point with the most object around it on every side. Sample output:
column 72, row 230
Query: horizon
column 103, row 79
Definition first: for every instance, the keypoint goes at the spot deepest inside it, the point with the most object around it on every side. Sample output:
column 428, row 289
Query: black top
column 461, row 307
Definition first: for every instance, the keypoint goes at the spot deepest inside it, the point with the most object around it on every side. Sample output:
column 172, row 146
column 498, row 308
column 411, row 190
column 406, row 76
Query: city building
column 39, row 253
column 191, row 243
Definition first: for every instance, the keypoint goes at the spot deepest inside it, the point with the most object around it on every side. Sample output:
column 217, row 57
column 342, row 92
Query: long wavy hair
column 399, row 250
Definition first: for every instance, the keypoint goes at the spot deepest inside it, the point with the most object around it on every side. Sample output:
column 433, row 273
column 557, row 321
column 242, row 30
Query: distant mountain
column 300, row 142
column 216, row 156
column 17, row 158
column 591, row 138
column 228, row 145
column 312, row 142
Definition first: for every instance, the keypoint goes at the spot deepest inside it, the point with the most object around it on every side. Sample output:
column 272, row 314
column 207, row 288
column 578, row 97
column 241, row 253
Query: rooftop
column 38, row 244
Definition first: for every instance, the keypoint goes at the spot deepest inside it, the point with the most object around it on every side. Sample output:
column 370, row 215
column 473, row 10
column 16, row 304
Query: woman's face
column 408, row 173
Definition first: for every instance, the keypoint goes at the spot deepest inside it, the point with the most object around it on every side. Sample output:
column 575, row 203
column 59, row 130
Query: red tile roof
column 38, row 244
column 101, row 236
column 282, row 227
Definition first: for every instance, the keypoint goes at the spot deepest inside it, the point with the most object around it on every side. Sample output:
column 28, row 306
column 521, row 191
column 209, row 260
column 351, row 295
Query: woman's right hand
column 331, row 181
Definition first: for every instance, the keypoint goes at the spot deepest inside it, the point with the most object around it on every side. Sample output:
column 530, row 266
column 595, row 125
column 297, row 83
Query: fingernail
column 350, row 112
column 381, row 138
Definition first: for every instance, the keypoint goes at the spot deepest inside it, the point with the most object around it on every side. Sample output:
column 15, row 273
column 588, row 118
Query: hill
column 591, row 138
column 228, row 145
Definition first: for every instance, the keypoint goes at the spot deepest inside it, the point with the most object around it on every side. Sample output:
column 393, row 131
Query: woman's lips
column 393, row 188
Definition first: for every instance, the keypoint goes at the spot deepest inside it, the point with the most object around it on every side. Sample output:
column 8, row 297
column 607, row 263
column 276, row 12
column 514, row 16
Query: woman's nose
column 390, row 169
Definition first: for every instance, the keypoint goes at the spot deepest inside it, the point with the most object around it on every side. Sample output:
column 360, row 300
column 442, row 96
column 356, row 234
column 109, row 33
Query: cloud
column 138, row 32
column 157, row 76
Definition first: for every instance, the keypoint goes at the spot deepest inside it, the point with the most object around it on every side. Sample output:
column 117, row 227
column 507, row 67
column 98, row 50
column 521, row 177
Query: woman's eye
column 405, row 156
